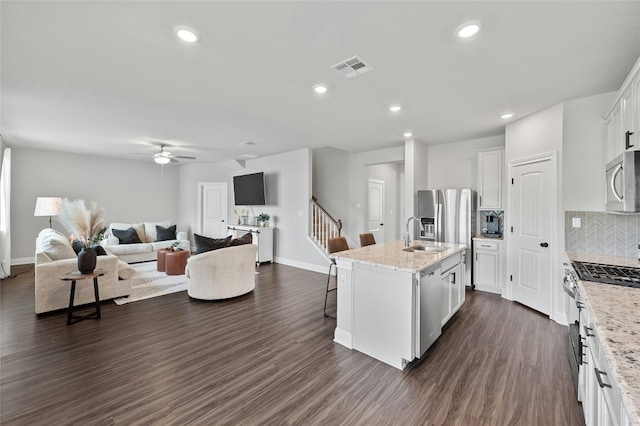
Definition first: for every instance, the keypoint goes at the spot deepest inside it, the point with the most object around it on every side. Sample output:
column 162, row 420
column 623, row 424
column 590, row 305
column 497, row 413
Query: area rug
column 148, row 283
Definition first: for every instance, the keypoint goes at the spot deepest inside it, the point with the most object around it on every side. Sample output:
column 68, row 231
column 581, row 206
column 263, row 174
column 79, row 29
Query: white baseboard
column 23, row 260
column 302, row 265
column 493, row 290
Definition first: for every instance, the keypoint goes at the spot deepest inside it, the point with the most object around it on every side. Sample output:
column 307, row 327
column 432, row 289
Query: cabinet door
column 627, row 111
column 616, row 131
column 486, row 268
column 590, row 400
column 635, row 112
column 490, row 174
column 456, row 282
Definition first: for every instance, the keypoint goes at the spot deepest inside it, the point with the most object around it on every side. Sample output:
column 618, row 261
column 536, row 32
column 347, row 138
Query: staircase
column 323, row 225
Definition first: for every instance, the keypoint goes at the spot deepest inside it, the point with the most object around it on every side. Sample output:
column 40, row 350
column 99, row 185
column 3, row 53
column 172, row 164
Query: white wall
column 455, row 165
column 288, row 187
column 332, row 181
column 583, row 153
column 190, row 176
column 540, row 133
column 128, row 191
column 389, row 173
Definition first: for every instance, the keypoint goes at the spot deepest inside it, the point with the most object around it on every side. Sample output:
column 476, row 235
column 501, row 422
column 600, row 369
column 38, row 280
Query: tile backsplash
column 483, row 219
column 602, row 233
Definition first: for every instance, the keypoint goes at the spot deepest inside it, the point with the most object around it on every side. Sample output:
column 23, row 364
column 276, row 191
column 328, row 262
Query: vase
column 87, row 260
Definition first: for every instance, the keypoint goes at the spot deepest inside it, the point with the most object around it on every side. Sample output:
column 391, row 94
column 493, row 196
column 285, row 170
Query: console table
column 260, row 236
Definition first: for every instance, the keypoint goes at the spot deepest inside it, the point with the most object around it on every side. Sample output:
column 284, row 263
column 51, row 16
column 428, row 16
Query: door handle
column 627, row 145
column 544, row 245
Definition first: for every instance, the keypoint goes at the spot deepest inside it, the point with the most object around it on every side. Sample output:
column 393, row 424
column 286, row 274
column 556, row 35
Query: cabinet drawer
column 450, row 262
column 486, row 245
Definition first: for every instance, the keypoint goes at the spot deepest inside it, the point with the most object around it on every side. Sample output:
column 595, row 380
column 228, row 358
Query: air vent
column 352, row 67
column 246, row 143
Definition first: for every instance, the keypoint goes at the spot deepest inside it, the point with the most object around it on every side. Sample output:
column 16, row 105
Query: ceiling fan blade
column 184, row 157
column 173, row 160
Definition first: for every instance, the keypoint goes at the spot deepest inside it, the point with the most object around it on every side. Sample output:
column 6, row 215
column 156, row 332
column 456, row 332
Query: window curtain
column 5, row 197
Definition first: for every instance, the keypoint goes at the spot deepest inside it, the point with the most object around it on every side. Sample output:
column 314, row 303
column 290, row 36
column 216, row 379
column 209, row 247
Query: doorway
column 533, row 239
column 212, row 209
column 375, row 221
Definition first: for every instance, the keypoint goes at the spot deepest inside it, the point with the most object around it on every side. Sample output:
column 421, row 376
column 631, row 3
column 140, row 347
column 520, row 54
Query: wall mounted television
column 249, row 190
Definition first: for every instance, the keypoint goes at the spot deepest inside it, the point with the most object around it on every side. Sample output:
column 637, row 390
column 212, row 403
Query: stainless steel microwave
column 623, row 183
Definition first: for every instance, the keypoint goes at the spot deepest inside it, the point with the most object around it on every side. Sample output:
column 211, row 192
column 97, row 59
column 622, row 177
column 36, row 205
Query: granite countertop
column 615, row 313
column 390, row 255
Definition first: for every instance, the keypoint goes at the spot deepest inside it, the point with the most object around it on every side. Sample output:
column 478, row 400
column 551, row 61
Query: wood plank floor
column 268, row 358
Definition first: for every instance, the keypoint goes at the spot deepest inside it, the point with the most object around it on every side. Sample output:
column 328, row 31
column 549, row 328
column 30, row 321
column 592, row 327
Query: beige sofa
column 145, row 251
column 223, row 273
column 55, row 257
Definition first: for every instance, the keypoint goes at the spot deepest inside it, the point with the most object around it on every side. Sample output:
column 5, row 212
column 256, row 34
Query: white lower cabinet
column 488, row 264
column 451, row 287
column 601, row 398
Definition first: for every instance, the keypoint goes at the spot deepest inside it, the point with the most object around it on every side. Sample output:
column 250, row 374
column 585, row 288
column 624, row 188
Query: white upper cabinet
column 490, row 179
column 622, row 118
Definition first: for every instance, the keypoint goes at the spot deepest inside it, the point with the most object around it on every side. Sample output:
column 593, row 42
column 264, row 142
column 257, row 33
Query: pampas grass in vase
column 85, row 224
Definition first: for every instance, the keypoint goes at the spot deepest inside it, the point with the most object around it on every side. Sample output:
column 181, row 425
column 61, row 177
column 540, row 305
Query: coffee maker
column 493, row 227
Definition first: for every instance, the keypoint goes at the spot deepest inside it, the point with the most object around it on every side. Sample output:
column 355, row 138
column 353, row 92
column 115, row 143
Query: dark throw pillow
column 126, row 236
column 205, row 244
column 165, row 234
column 77, row 246
column 245, row 239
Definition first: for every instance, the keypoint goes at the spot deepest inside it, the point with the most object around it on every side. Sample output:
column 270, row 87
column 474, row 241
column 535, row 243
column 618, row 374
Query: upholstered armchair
column 223, row 273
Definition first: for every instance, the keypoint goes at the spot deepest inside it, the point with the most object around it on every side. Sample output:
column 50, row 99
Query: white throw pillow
column 55, row 245
column 150, row 230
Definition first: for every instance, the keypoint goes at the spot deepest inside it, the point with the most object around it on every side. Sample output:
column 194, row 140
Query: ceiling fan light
column 161, row 159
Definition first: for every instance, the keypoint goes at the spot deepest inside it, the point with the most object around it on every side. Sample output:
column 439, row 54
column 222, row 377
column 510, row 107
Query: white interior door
column 212, row 209
column 376, row 209
column 532, row 219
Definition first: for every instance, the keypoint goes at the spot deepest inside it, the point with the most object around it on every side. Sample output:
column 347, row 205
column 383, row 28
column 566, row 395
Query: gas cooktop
column 608, row 274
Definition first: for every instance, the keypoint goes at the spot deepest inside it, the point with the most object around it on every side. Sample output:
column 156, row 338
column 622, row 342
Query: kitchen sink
column 426, row 249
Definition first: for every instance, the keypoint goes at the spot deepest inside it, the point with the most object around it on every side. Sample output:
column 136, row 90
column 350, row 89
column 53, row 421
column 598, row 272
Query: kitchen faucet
column 407, row 238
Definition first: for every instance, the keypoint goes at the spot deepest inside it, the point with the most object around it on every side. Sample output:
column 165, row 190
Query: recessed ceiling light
column 505, row 116
column 186, row 34
column 468, row 29
column 407, row 134
column 320, row 88
column 395, row 108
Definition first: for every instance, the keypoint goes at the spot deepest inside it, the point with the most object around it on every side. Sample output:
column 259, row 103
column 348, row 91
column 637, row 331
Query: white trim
column 23, row 260
column 302, row 265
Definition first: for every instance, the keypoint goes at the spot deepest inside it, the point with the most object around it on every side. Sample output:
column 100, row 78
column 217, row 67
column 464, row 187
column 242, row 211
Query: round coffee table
column 175, row 262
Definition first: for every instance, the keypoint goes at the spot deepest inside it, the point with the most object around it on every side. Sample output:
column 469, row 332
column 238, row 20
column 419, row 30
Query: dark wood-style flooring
column 268, row 358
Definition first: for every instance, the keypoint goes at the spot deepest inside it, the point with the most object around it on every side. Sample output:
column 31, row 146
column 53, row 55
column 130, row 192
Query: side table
column 77, row 276
column 175, row 262
column 161, row 256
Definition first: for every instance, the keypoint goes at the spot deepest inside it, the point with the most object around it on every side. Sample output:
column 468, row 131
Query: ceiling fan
column 163, row 157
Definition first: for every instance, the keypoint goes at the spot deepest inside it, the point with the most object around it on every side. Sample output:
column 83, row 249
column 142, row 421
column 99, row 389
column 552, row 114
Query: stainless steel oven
column 574, row 305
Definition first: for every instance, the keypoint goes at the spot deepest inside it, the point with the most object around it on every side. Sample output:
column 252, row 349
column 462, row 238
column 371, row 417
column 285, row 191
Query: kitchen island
column 393, row 300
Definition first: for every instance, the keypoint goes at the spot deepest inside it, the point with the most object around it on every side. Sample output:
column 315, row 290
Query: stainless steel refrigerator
column 449, row 215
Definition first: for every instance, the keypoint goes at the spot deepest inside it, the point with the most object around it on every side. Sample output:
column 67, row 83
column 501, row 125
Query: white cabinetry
column 622, row 118
column 490, row 179
column 601, row 398
column 488, row 265
column 451, row 287
column 261, row 236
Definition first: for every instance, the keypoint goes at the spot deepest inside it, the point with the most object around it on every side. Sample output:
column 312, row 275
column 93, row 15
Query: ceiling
column 110, row 78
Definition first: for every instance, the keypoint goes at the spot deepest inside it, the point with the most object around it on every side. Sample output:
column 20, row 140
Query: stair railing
column 323, row 225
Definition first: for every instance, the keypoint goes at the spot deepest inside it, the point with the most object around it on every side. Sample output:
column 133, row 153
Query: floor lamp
column 48, row 206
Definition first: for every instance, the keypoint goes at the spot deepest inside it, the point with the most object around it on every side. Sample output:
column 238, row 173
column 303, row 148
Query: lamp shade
column 48, row 206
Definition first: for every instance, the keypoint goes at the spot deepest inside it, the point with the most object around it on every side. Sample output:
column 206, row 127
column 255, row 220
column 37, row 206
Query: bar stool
column 367, row 239
column 335, row 245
